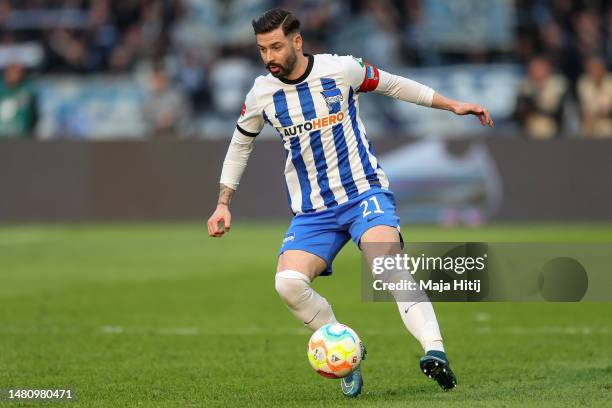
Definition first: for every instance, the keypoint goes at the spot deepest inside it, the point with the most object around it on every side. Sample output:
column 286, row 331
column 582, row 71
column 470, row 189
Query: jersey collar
column 303, row 76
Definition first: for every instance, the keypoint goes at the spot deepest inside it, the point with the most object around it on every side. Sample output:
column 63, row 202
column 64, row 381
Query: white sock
column 416, row 312
column 420, row 320
column 305, row 304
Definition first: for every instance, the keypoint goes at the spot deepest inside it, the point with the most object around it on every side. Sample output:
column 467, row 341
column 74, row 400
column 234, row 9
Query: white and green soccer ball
column 334, row 350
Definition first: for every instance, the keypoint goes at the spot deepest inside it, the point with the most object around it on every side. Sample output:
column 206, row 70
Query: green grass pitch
column 160, row 315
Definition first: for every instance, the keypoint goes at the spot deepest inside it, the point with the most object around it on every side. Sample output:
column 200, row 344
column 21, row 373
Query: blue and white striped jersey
column 329, row 157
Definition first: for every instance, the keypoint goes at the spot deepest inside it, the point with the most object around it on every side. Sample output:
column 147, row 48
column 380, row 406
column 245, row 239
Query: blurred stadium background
column 138, row 73
column 122, row 111
column 143, row 68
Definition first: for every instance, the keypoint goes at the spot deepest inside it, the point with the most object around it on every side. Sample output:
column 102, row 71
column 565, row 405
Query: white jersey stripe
column 318, row 154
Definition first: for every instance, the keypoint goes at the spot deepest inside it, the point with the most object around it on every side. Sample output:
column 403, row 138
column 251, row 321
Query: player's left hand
column 477, row 110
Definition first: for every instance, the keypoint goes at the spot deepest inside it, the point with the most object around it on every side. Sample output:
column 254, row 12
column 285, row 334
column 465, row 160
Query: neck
column 300, row 67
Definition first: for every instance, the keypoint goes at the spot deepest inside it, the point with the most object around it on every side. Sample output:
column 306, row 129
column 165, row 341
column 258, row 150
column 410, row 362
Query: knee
column 293, row 287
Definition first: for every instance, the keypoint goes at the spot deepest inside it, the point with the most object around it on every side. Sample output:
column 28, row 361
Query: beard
column 284, row 69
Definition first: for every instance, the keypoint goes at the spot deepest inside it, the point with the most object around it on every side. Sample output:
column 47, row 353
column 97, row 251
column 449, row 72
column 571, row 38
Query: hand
column 474, row 109
column 219, row 222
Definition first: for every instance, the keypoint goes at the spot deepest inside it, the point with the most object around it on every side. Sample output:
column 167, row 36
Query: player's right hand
column 219, row 222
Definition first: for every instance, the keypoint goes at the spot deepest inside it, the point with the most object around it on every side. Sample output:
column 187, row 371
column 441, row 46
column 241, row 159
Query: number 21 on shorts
column 365, row 205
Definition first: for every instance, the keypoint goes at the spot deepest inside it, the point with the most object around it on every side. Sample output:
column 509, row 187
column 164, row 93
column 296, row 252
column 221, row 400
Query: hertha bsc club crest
column 333, row 99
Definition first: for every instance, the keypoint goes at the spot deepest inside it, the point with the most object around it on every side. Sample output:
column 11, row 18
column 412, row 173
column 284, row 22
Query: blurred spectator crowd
column 195, row 59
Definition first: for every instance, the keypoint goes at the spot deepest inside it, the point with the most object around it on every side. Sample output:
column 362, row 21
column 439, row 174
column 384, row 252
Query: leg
column 417, row 314
column 306, row 304
column 308, row 250
column 295, row 271
column 305, row 262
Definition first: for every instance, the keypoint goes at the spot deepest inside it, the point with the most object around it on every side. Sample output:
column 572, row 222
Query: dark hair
column 274, row 18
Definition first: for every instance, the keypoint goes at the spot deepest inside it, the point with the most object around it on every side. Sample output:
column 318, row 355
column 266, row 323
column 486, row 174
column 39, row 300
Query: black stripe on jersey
column 244, row 132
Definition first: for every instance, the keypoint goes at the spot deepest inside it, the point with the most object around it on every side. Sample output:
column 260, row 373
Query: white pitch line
column 297, row 331
column 164, row 331
column 249, row 331
column 567, row 330
column 482, row 317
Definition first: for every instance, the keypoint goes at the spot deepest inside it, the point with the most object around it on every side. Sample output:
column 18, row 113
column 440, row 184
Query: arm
column 365, row 77
column 411, row 91
column 234, row 165
column 462, row 108
column 248, row 127
column 220, row 221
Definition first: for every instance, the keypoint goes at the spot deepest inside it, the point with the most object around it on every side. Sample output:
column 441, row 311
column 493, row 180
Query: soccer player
column 336, row 188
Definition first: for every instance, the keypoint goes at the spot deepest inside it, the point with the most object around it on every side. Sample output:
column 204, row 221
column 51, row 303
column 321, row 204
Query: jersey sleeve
column 251, row 119
column 362, row 76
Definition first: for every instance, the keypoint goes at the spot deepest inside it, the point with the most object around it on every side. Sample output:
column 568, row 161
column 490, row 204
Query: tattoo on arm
column 225, row 195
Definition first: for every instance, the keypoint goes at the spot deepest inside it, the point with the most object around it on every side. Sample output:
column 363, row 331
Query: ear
column 298, row 42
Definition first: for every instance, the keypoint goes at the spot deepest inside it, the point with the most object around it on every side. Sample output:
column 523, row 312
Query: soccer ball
column 334, row 351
